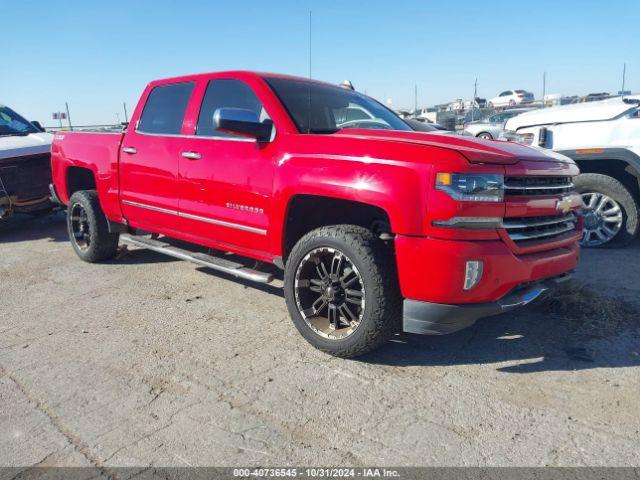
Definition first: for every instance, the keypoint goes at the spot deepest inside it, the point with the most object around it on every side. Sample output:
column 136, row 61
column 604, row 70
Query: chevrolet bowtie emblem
column 564, row 204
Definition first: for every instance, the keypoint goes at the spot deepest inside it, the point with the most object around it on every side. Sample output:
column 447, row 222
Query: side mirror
column 242, row 122
column 37, row 124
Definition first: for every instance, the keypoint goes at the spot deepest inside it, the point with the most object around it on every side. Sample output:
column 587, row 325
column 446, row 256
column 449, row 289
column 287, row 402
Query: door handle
column 192, row 155
column 129, row 150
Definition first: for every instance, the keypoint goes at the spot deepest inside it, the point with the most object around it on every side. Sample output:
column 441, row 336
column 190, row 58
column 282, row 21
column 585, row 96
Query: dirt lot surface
column 149, row 361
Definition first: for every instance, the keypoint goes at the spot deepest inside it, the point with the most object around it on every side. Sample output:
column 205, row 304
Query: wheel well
column 618, row 169
column 79, row 178
column 483, row 132
column 308, row 212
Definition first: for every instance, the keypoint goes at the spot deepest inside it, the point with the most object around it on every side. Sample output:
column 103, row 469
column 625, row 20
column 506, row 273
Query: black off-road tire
column 376, row 264
column 595, row 182
column 103, row 244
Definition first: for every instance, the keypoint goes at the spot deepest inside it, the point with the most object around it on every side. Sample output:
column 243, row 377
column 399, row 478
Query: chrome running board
column 202, row 259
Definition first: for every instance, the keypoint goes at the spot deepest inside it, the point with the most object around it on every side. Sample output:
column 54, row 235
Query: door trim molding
column 213, row 221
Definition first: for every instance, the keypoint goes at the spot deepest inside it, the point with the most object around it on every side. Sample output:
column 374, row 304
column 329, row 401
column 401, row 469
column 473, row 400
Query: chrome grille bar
column 536, row 186
column 544, row 187
column 523, row 229
column 511, row 224
column 549, row 233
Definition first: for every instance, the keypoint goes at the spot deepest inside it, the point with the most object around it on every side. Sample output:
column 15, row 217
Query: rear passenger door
column 149, row 159
column 226, row 180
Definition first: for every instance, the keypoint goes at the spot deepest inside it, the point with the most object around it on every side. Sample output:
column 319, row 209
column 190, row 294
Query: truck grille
column 537, row 186
column 524, row 229
column 26, row 177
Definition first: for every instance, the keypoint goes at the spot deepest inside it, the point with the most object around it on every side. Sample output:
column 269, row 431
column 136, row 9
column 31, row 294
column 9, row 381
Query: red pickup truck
column 378, row 228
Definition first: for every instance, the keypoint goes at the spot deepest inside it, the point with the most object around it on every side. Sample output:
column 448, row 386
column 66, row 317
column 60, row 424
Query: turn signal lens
column 443, row 179
column 472, row 273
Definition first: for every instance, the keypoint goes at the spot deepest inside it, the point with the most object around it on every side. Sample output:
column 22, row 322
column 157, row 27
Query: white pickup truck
column 25, row 165
column 604, row 139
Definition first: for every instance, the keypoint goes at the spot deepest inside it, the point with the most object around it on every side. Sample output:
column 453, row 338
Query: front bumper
column 433, row 270
column 427, row 318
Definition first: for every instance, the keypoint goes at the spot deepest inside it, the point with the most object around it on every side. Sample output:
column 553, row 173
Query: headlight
column 524, row 138
column 471, row 187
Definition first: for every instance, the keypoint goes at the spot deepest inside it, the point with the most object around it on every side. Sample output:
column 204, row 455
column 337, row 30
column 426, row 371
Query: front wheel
column 341, row 290
column 485, row 136
column 88, row 229
column 610, row 211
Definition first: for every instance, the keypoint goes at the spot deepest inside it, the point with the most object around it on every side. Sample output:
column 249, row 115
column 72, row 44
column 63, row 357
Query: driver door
column 226, row 180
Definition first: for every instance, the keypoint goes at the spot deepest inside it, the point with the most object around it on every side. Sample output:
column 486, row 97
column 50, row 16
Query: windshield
column 13, row 124
column 320, row 108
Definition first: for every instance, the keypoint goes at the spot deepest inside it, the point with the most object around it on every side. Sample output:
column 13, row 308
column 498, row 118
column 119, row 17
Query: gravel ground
column 149, row 361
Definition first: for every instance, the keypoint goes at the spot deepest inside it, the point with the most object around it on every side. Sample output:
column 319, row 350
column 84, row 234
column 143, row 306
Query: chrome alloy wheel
column 329, row 293
column 602, row 219
column 80, row 226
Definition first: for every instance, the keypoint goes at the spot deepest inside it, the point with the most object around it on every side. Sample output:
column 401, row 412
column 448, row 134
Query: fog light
column 472, row 273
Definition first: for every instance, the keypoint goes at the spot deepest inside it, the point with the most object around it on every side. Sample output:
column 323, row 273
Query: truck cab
column 378, row 228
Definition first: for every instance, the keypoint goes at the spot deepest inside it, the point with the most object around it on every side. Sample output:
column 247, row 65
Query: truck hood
column 474, row 149
column 579, row 112
column 23, row 145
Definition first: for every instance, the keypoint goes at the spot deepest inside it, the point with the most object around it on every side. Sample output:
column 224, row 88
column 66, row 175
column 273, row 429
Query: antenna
column 309, row 44
column 624, row 74
column 309, row 115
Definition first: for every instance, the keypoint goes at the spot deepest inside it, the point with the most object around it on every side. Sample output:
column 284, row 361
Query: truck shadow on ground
column 524, row 342
column 24, row 228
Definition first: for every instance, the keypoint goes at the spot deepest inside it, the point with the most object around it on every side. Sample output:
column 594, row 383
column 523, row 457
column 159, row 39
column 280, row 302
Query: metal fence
column 109, row 128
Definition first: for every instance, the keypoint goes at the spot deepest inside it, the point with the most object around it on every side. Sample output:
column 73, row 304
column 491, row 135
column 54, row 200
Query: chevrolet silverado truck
column 378, row 228
column 603, row 138
column 25, row 165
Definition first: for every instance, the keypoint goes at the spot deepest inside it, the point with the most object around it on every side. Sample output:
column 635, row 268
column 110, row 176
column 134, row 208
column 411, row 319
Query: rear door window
column 164, row 111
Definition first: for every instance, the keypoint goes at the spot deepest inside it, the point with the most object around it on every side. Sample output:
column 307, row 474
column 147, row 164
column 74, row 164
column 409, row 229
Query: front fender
column 396, row 187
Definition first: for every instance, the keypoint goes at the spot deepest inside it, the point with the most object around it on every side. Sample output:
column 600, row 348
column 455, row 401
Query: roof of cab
column 232, row 74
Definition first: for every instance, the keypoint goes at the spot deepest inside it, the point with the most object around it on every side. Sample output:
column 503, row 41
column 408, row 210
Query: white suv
column 604, row 139
column 510, row 98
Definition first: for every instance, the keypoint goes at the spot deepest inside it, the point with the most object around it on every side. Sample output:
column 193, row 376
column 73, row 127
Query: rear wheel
column 610, row 211
column 88, row 229
column 341, row 290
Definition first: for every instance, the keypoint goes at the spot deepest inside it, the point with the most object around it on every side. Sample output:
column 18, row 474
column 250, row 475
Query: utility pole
column 68, row 116
column 624, row 74
column 475, row 95
column 544, row 88
column 126, row 116
column 117, row 117
column 415, row 101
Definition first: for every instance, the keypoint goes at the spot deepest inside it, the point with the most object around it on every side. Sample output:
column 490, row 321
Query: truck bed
column 98, row 152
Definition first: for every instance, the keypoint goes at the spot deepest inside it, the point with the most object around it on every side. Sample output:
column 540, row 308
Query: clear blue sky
column 98, row 54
